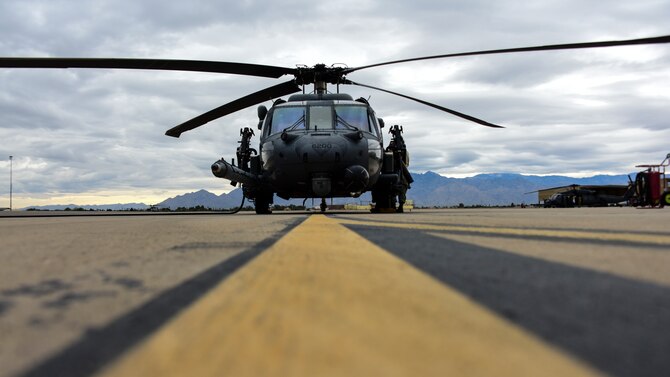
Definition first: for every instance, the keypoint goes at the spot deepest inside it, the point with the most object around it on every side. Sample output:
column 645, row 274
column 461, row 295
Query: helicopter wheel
column 262, row 204
column 323, row 205
column 384, row 203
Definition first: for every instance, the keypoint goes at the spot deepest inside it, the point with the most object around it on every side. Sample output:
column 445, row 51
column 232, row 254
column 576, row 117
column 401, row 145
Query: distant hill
column 92, row 207
column 429, row 189
column 204, row 198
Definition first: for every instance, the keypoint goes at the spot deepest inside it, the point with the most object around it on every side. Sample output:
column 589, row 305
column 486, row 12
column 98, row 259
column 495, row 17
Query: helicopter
column 588, row 196
column 316, row 144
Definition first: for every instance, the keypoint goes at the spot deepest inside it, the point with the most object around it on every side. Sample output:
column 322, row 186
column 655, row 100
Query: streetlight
column 10, row 182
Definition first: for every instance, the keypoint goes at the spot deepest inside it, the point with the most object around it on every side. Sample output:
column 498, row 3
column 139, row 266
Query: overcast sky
column 97, row 136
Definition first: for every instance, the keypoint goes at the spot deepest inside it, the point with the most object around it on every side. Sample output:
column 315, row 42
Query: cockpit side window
column 287, row 118
column 373, row 124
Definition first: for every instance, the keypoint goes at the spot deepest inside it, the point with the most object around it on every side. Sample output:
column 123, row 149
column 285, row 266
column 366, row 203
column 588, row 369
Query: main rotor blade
column 239, row 104
column 453, row 112
column 551, row 188
column 152, row 64
column 565, row 46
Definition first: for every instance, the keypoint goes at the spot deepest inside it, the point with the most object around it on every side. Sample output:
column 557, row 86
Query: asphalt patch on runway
column 43, row 288
column 617, row 324
column 100, row 346
column 4, row 306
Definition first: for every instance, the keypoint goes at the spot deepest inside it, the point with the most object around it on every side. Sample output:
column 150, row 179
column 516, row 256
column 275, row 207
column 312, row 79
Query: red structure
column 651, row 185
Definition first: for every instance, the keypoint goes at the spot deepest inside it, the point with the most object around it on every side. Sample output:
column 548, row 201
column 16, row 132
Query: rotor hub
column 320, row 73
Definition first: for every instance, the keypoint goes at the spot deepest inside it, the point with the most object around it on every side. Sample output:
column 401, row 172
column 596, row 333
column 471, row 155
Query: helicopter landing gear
column 385, row 195
column 384, row 201
column 262, row 204
column 323, row 205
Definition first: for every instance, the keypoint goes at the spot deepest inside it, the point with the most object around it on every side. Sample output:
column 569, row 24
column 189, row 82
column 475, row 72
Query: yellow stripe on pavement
column 655, row 239
column 323, row 301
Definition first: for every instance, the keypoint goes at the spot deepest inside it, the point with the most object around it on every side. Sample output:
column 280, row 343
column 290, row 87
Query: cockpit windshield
column 352, row 117
column 288, row 118
column 319, row 117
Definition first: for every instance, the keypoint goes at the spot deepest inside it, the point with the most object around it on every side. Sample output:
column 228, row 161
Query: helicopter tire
column 262, row 204
column 385, row 203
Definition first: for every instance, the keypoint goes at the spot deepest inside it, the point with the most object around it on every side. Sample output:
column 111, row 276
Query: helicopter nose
column 357, row 178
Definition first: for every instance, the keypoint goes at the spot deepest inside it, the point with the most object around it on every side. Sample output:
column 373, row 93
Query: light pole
column 10, row 182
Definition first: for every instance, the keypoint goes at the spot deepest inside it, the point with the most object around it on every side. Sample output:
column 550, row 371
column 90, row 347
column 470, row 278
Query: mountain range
column 428, row 190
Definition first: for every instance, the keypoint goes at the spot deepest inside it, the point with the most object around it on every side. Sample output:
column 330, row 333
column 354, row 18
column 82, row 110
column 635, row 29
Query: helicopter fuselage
column 316, row 146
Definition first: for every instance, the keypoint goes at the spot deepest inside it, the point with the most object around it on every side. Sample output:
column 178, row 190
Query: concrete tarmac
column 468, row 291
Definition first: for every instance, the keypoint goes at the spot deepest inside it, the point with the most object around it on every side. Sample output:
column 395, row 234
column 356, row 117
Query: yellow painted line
column 569, row 234
column 324, row 301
